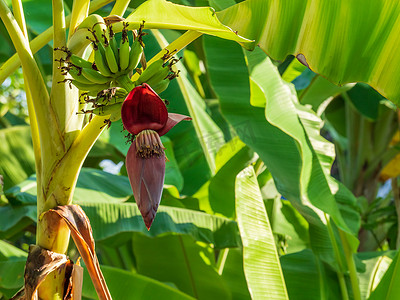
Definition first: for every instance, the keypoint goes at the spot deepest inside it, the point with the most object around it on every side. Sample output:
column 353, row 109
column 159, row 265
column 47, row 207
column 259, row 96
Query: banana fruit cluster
column 104, row 79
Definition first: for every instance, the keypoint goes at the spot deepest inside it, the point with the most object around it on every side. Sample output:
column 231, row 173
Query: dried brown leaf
column 81, row 232
column 39, row 264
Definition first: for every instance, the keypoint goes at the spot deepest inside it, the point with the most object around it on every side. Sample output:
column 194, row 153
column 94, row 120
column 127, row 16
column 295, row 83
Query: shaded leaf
column 306, row 278
column 182, row 261
column 131, row 286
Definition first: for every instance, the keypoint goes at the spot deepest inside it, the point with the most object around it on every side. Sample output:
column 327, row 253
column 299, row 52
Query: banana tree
column 91, row 77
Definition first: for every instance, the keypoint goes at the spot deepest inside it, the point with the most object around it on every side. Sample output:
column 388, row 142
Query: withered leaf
column 81, row 232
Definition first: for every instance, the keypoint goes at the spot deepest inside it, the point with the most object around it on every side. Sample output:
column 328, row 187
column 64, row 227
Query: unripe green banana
column 80, row 62
column 156, row 69
column 94, row 76
column 77, row 75
column 100, row 61
column 113, row 42
column 124, row 53
column 161, row 86
column 94, row 88
column 134, row 55
column 111, row 60
column 158, row 76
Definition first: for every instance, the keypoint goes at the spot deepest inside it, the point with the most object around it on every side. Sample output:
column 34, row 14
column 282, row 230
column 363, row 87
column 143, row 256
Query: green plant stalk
column 321, row 278
column 66, row 173
column 80, row 10
column 336, row 251
column 396, row 197
column 124, row 82
column 20, row 18
column 120, row 7
column 223, row 255
column 348, row 253
column 177, row 45
column 50, row 235
column 12, row 64
column 62, row 96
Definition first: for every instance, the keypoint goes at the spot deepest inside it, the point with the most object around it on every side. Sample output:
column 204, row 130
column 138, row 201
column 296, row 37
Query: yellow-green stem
column 80, row 10
column 120, row 7
column 19, row 16
column 124, row 82
column 184, row 40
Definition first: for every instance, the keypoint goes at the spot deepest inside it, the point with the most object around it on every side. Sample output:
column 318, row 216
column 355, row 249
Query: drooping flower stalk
column 145, row 115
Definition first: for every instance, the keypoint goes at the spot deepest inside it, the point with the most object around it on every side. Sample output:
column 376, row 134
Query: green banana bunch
column 113, row 61
column 159, row 74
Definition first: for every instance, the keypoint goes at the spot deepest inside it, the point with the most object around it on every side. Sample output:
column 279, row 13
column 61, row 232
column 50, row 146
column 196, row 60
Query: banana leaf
column 344, row 41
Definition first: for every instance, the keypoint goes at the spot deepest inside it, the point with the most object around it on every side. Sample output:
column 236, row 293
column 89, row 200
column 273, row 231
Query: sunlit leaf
column 261, row 263
column 319, row 32
column 164, row 14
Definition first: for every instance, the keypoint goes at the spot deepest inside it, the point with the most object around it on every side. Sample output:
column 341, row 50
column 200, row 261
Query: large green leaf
column 344, row 41
column 285, row 142
column 261, row 263
column 12, row 263
column 109, row 219
column 100, row 194
column 182, row 261
column 92, row 186
column 131, row 286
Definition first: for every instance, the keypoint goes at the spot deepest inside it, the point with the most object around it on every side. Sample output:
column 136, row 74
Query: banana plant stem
column 181, row 42
column 80, row 10
column 120, row 7
column 223, row 255
column 20, row 18
column 396, row 197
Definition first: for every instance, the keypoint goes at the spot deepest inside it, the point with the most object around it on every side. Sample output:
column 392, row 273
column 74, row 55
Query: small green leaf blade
column 261, row 263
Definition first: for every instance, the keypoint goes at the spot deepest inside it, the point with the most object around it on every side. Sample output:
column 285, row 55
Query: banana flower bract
column 145, row 115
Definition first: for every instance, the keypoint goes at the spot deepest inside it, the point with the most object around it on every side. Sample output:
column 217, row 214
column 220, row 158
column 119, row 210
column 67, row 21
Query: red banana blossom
column 145, row 115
